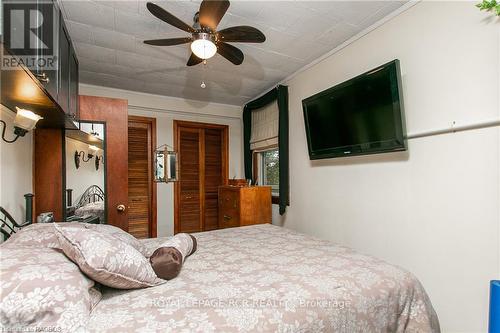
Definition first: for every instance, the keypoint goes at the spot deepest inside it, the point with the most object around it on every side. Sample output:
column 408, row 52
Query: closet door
column 203, row 167
column 189, row 196
column 141, row 189
column 214, row 177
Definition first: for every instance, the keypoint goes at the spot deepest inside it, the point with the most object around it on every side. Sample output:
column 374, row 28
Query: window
column 268, row 169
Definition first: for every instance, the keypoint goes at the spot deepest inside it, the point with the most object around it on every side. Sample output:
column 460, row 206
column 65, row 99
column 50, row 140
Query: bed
column 91, row 203
column 265, row 278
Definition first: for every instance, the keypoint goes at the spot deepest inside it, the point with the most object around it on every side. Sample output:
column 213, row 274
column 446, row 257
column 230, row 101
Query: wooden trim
column 255, row 165
column 153, row 223
column 177, row 183
column 201, row 180
column 225, row 154
column 154, row 186
column 193, row 124
column 275, row 199
column 225, row 162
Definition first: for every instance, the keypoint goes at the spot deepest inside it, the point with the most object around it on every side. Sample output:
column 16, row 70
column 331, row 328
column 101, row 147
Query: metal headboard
column 8, row 225
column 93, row 194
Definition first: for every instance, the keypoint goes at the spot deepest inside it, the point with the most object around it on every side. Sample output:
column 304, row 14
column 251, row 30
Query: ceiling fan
column 205, row 39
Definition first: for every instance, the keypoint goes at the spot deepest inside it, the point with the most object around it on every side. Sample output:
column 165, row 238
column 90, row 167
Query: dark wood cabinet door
column 190, row 178
column 50, row 11
column 64, row 49
column 73, row 85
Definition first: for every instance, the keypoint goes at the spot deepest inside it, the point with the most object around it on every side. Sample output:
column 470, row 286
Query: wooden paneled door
column 141, row 187
column 114, row 112
column 203, row 167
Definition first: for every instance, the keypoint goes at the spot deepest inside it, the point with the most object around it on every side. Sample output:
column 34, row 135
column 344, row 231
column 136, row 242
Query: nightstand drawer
column 229, row 219
column 229, row 200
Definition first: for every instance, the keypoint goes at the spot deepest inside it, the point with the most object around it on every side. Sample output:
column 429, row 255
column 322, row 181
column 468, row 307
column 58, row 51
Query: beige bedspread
column 269, row 279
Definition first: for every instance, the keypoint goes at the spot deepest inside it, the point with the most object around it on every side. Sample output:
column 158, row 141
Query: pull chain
column 203, row 85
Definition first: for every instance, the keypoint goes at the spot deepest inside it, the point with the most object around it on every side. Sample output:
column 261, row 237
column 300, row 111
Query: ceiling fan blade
column 211, row 12
column 242, row 34
column 194, row 60
column 168, row 41
column 231, row 53
column 165, row 16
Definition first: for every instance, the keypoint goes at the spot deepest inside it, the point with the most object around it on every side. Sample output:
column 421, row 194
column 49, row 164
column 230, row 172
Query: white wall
column 86, row 175
column 435, row 209
column 15, row 169
column 165, row 110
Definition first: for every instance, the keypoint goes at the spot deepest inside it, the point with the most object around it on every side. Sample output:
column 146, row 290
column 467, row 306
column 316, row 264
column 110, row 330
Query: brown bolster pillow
column 167, row 260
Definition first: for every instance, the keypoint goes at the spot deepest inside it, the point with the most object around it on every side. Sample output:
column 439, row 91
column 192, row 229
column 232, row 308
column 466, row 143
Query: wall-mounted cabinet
column 56, row 88
column 73, row 84
column 64, row 47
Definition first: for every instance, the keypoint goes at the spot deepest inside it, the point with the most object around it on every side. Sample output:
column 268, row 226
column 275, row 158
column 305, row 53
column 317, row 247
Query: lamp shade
column 203, row 48
column 26, row 119
column 93, row 149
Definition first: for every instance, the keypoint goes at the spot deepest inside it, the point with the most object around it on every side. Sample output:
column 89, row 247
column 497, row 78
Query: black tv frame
column 399, row 143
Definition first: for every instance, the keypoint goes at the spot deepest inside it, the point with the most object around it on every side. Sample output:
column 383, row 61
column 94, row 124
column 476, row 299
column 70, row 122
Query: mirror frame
column 105, row 170
column 164, row 157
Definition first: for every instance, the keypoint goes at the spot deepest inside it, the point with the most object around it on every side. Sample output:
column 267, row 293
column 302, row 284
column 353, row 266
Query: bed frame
column 93, row 194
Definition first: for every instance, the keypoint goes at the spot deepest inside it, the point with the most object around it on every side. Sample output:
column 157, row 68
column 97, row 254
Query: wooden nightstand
column 244, row 205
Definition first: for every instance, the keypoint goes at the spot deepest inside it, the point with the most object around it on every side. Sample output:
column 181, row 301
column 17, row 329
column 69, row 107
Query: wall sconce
column 98, row 159
column 24, row 122
column 93, row 132
column 90, row 154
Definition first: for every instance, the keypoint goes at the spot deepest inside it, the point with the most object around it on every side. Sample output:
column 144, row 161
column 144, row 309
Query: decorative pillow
column 43, row 235
column 167, row 260
column 117, row 233
column 38, row 235
column 106, row 259
column 43, row 290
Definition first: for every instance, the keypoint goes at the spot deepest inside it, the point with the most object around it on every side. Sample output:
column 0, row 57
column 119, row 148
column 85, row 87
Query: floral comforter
column 265, row 278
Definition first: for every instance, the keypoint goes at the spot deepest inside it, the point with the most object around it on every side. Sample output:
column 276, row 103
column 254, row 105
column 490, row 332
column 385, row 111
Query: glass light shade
column 93, row 149
column 203, row 49
column 26, row 119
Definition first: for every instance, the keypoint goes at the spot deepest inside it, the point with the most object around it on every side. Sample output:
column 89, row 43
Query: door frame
column 225, row 163
column 153, row 223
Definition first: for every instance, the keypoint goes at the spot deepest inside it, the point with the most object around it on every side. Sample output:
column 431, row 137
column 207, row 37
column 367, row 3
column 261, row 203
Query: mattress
column 92, row 209
column 265, row 278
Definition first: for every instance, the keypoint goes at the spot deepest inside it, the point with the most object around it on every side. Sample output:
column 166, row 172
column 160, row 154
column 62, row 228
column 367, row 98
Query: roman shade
column 278, row 95
column 265, row 127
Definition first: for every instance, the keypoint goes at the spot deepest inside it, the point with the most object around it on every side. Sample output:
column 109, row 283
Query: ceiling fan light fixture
column 203, row 46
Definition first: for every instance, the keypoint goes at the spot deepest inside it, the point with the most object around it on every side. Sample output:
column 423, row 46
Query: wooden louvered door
column 213, row 176
column 141, row 188
column 189, row 184
column 203, row 167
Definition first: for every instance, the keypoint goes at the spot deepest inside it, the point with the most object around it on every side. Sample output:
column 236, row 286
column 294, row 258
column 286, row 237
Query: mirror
column 165, row 166
column 85, row 191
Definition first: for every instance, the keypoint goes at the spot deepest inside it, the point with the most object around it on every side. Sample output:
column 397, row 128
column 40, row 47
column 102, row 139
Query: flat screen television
column 361, row 116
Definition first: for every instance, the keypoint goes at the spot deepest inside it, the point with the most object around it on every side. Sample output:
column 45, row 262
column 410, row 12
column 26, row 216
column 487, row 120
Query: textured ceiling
column 108, row 38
